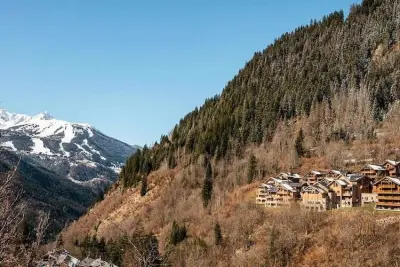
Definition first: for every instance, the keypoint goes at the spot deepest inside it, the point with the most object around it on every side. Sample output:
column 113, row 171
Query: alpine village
column 325, row 190
column 296, row 163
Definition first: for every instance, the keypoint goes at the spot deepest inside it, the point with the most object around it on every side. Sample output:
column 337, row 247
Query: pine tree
column 101, row 247
column 178, row 233
column 143, row 190
column 251, row 168
column 217, row 234
column 171, row 160
column 207, row 186
column 299, row 143
column 60, row 241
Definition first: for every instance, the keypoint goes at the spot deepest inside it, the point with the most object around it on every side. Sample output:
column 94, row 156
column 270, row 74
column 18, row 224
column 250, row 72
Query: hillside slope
column 323, row 96
column 47, row 191
column 344, row 69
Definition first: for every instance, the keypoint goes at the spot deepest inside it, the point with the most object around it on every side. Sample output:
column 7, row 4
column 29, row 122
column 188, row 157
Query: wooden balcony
column 388, row 204
column 387, row 192
column 395, row 198
column 347, row 194
column 389, row 186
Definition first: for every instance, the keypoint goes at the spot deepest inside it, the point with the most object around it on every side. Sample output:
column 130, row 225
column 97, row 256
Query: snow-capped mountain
column 76, row 151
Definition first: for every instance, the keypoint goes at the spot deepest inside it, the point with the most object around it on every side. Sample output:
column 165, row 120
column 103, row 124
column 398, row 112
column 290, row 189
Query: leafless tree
column 12, row 213
column 11, row 216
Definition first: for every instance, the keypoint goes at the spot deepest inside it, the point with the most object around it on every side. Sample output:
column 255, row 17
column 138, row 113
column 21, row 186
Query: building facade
column 392, row 167
column 374, row 172
column 388, row 194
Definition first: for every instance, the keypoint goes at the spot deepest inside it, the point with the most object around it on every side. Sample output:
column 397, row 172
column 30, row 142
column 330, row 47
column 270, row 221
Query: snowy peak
column 40, row 125
column 8, row 119
column 43, row 116
column 77, row 151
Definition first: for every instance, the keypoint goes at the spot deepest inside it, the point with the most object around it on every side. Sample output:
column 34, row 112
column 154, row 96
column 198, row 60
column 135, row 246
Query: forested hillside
column 323, row 96
column 315, row 64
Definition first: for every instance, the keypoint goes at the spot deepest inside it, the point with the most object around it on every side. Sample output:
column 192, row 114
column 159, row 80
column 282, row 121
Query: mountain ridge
column 93, row 157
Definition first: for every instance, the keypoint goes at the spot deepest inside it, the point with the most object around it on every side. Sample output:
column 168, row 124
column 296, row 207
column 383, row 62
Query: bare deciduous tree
column 12, row 213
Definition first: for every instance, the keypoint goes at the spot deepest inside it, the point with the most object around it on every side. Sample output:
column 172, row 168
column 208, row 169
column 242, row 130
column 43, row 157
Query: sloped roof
column 277, row 180
column 288, row 187
column 394, row 180
column 354, row 177
column 392, row 162
column 338, row 172
column 269, row 187
column 341, row 182
column 315, row 188
column 101, row 263
column 86, row 262
column 374, row 167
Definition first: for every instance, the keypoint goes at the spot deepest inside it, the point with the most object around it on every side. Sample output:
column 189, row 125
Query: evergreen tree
column 114, row 252
column 299, row 146
column 101, row 247
column 217, row 234
column 178, row 233
column 251, row 168
column 143, row 190
column 207, row 186
column 60, row 241
column 171, row 160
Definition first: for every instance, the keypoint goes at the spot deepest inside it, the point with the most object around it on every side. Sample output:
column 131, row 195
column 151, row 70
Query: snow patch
column 68, row 134
column 39, row 148
column 87, row 153
column 116, row 169
column 92, row 149
column 90, row 132
column 10, row 145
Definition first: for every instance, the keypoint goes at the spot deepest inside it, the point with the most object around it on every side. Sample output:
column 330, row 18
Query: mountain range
column 63, row 166
column 76, row 151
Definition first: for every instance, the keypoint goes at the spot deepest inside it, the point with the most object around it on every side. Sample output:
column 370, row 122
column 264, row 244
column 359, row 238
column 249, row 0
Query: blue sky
column 134, row 68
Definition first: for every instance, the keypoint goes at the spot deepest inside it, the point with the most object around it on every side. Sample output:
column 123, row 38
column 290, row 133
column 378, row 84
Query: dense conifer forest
column 325, row 62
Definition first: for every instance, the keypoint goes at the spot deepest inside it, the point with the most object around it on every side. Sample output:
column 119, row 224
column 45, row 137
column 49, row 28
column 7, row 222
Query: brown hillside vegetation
column 251, row 235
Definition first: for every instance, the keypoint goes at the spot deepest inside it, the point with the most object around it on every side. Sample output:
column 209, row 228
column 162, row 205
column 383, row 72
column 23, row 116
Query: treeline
column 300, row 70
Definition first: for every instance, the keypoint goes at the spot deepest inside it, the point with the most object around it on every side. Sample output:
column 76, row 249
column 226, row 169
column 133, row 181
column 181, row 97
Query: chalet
column 316, row 197
column 392, row 167
column 388, row 193
column 361, row 185
column 337, row 173
column 264, row 191
column 294, row 177
column 374, row 172
column 276, row 192
column 314, row 176
column 346, row 190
